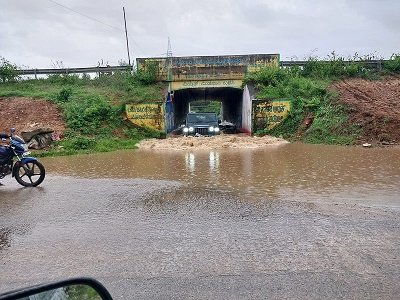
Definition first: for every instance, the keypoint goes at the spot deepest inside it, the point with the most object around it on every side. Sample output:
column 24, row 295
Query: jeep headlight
column 191, row 129
column 185, row 130
column 216, row 129
column 211, row 129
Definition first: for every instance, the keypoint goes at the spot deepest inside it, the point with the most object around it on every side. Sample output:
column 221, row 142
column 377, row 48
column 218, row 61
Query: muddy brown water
column 210, row 224
column 299, row 172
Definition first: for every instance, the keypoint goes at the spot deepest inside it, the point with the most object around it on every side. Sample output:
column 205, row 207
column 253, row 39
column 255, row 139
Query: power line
column 86, row 16
column 96, row 20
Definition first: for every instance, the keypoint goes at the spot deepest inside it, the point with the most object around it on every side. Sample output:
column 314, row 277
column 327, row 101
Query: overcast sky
column 79, row 33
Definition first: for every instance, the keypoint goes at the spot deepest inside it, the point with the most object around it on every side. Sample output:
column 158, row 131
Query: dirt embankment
column 374, row 106
column 25, row 113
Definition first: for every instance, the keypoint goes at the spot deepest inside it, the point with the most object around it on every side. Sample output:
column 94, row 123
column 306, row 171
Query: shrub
column 87, row 115
column 71, row 79
column 78, row 143
column 393, row 64
column 8, row 71
column 148, row 75
column 64, row 95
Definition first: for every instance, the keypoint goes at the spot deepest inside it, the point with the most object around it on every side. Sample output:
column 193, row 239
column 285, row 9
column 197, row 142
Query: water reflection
column 190, row 162
column 213, row 161
column 292, row 171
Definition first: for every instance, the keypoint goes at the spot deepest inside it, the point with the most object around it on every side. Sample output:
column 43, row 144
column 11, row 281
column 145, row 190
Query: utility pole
column 127, row 42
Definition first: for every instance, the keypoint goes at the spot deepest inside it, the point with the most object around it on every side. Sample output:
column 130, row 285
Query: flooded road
column 289, row 221
column 300, row 172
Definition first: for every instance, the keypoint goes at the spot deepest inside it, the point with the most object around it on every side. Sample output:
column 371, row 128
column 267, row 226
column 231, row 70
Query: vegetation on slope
column 92, row 108
column 307, row 87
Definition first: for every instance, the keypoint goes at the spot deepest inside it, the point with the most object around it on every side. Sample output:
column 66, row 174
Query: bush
column 148, row 75
column 8, row 71
column 393, row 65
column 334, row 68
column 78, row 143
column 87, row 115
column 64, row 95
column 71, row 79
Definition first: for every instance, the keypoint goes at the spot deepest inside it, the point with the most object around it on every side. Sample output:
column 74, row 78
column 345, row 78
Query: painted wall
column 150, row 115
column 193, row 84
column 199, row 68
column 266, row 114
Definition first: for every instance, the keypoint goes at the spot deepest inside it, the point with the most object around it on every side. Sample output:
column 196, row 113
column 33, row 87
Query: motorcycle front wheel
column 30, row 174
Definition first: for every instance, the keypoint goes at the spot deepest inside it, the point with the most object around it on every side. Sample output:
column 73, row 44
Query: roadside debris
column 216, row 142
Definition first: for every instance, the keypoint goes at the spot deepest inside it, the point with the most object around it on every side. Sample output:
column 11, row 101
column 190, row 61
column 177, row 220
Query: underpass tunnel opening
column 230, row 109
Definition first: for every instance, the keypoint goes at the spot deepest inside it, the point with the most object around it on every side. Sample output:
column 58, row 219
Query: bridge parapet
column 207, row 68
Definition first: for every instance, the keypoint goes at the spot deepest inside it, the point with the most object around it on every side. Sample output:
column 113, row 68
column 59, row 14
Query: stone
column 28, row 134
column 41, row 141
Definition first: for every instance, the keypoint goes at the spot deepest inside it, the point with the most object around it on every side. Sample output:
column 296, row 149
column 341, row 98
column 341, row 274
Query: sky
column 86, row 33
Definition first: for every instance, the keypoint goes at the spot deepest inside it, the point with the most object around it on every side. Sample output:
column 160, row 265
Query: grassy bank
column 307, row 87
column 92, row 108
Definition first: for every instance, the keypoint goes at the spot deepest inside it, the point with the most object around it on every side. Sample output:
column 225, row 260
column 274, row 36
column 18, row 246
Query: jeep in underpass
column 201, row 124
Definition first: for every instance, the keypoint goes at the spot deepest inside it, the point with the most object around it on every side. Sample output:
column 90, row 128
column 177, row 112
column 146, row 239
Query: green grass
column 307, row 89
column 92, row 109
column 330, row 126
column 84, row 145
column 120, row 87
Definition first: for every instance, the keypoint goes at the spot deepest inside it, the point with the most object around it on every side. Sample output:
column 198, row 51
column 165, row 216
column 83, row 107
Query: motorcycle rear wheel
column 30, row 174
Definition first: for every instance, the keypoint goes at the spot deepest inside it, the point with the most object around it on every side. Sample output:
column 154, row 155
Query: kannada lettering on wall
column 150, row 115
column 178, row 85
column 267, row 114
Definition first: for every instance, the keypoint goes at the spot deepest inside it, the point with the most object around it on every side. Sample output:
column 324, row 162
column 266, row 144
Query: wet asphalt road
column 152, row 239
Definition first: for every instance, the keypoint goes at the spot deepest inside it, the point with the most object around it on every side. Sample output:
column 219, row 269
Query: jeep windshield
column 201, row 118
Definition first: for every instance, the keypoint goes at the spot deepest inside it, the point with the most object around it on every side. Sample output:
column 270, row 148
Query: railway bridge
column 208, row 78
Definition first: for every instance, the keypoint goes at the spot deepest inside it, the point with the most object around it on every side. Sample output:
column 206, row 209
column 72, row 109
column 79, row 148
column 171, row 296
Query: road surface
column 160, row 239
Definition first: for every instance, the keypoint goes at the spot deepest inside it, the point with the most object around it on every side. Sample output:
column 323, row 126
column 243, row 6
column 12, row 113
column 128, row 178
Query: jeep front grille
column 202, row 131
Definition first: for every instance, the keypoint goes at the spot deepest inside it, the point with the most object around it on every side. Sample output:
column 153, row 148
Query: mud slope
column 374, row 105
column 24, row 113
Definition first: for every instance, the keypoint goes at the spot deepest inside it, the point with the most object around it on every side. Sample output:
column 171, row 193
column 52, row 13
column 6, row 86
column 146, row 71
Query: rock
column 40, row 141
column 28, row 134
column 33, row 144
column 367, row 145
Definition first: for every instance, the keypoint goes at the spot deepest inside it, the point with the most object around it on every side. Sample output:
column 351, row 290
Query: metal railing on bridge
column 67, row 71
column 373, row 64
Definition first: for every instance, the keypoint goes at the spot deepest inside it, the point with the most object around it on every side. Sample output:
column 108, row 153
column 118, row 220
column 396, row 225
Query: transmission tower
column 168, row 61
column 169, row 48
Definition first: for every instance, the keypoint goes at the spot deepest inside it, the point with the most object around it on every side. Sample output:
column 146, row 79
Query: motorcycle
column 26, row 170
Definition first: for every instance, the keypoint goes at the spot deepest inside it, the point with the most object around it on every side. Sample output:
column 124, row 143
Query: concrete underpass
column 210, row 78
column 231, row 103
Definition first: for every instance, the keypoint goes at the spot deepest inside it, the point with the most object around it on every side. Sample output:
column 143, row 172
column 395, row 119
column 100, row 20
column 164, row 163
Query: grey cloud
column 37, row 32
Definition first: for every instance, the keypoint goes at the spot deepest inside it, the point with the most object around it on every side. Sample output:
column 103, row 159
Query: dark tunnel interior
column 231, row 103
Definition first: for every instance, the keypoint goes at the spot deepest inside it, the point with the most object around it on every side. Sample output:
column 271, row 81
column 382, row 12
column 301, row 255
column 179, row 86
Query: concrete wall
column 248, row 94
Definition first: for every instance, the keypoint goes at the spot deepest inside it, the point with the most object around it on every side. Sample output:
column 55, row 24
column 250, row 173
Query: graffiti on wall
column 267, row 114
column 208, row 67
column 150, row 115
